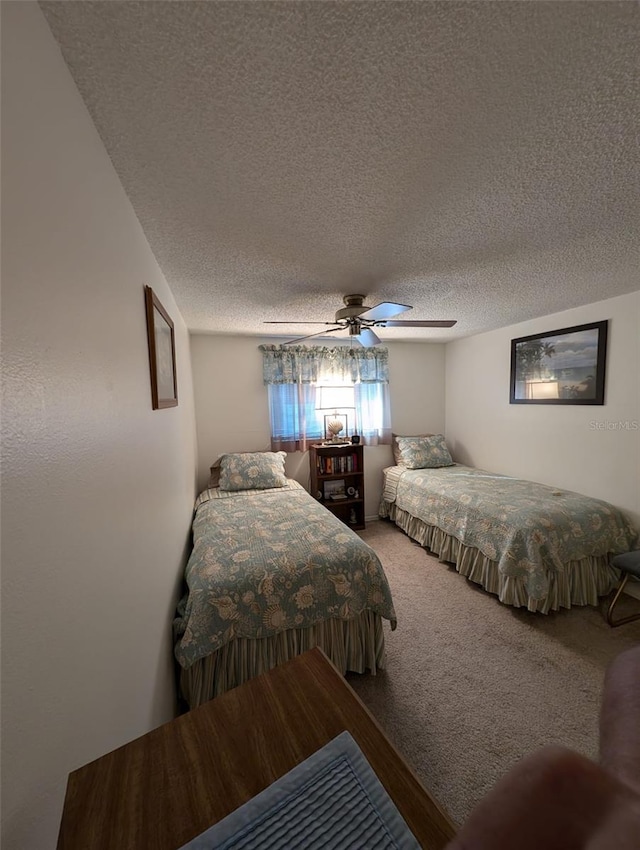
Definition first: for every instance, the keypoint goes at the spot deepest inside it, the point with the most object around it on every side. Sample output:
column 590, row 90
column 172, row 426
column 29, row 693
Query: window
column 305, row 385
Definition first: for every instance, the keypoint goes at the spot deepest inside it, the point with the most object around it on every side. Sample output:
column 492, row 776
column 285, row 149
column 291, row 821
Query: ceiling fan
column 359, row 321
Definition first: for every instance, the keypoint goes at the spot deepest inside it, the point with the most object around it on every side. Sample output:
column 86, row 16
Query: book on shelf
column 337, row 465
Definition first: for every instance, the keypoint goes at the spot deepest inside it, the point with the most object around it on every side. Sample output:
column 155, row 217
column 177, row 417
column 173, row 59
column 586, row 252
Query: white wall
column 560, row 445
column 232, row 412
column 97, row 489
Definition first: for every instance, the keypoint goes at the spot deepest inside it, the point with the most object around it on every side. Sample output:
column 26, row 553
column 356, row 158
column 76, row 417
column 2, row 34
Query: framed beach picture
column 335, row 489
column 162, row 353
column 566, row 366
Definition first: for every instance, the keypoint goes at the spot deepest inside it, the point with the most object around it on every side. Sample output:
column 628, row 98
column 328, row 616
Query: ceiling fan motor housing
column 353, row 309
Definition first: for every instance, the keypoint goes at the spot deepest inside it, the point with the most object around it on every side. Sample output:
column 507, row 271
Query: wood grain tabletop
column 171, row 784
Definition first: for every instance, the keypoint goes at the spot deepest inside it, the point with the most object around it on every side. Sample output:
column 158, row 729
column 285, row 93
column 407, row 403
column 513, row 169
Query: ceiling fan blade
column 287, row 322
column 308, row 336
column 385, row 310
column 366, row 337
column 436, row 323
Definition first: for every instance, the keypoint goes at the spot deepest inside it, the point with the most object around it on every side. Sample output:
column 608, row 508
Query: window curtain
column 292, row 374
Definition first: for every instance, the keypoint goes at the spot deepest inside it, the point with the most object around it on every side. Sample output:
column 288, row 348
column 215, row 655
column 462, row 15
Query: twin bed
column 532, row 545
column 272, row 574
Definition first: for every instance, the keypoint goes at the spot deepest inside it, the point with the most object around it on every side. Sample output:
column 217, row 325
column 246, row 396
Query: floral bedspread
column 527, row 528
column 264, row 561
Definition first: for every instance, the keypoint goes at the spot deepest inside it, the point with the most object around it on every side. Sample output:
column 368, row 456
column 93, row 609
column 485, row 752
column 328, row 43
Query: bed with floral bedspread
column 272, row 574
column 530, row 544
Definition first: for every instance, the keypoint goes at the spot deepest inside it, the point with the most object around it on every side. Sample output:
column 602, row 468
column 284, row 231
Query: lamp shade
column 334, row 398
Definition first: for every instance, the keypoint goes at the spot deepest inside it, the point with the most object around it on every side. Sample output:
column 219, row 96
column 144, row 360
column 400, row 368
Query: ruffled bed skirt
column 580, row 583
column 356, row 645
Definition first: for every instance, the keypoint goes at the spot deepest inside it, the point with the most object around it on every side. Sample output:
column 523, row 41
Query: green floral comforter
column 264, row 561
column 527, row 528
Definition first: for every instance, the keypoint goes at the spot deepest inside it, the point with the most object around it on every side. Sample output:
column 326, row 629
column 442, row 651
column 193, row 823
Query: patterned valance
column 301, row 364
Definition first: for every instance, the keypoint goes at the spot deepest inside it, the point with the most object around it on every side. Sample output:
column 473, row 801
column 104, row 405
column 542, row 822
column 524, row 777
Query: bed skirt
column 581, row 582
column 356, row 645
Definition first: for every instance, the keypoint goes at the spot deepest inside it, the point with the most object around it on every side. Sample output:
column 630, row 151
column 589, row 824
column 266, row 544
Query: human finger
column 554, row 799
column 620, row 718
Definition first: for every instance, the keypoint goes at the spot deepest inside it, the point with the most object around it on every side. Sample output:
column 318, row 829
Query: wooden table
column 171, row 784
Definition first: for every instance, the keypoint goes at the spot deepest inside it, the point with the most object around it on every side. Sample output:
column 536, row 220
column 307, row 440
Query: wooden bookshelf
column 339, row 468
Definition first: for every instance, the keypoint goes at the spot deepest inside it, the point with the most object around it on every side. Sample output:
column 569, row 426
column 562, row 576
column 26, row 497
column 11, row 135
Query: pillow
column 397, row 455
column 252, row 471
column 424, row 452
column 214, row 469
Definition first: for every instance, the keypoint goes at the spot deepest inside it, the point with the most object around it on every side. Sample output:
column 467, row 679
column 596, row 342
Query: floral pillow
column 397, row 456
column 252, row 471
column 424, row 452
column 214, row 469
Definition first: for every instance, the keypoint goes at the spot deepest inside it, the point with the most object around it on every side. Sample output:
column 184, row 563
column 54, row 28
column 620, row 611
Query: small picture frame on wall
column 566, row 366
column 162, row 353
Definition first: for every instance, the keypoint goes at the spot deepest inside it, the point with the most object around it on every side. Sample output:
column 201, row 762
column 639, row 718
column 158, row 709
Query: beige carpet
column 472, row 685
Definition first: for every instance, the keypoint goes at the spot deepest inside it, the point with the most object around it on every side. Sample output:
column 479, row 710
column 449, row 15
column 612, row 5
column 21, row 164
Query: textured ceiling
column 478, row 160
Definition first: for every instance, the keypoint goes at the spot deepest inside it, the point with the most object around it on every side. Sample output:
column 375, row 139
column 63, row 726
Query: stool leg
column 613, row 623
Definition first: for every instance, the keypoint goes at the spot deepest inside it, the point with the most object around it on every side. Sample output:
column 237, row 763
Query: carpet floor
column 471, row 685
